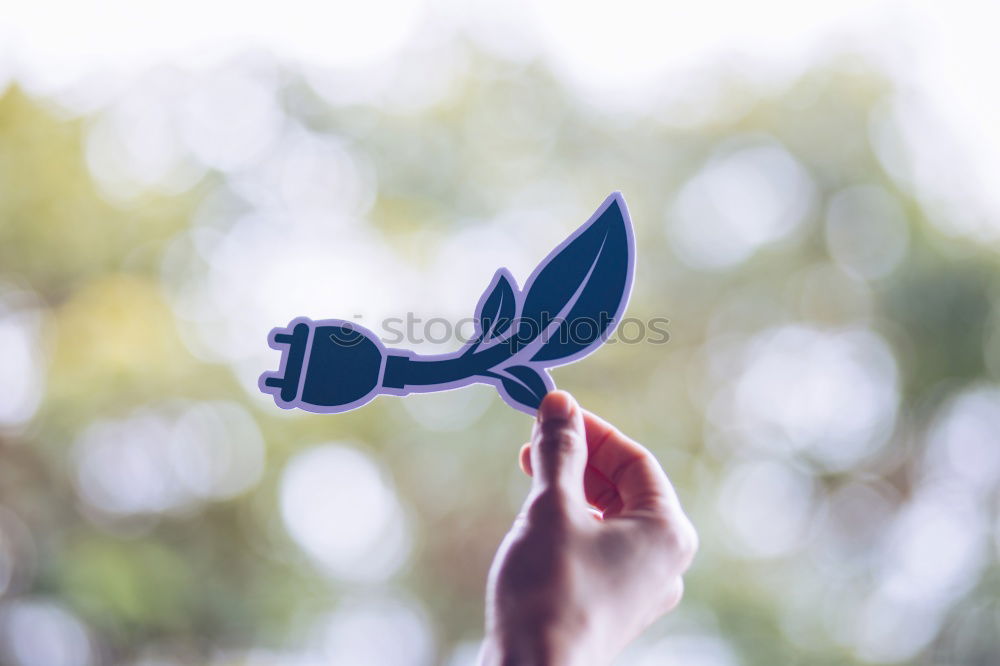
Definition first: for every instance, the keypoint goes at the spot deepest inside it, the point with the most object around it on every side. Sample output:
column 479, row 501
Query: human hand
column 596, row 553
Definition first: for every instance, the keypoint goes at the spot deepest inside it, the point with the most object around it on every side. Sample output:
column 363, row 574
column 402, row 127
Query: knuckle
column 558, row 441
column 642, row 461
column 673, row 593
column 680, row 539
column 686, row 542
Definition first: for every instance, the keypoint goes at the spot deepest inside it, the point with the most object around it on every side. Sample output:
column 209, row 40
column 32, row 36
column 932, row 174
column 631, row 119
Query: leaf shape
column 584, row 284
column 496, row 312
column 524, row 385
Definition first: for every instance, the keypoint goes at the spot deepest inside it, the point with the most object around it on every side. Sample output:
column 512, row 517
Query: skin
column 597, row 552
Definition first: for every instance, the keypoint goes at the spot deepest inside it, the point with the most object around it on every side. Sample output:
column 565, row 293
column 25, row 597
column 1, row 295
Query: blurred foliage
column 213, row 580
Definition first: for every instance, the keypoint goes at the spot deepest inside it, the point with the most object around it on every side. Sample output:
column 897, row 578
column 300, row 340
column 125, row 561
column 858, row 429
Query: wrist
column 527, row 650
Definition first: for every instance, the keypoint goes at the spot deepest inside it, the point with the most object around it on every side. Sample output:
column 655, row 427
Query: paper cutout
column 569, row 306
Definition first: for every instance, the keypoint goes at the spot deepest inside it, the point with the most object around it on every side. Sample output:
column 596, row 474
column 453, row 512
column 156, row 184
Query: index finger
column 629, row 467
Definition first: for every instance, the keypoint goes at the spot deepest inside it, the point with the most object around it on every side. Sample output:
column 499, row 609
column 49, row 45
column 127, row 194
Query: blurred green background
column 827, row 403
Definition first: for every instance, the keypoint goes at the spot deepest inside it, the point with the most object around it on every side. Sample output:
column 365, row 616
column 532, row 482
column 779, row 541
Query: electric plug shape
column 568, row 307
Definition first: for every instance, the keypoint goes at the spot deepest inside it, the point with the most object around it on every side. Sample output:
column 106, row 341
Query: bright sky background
column 57, row 40
column 943, row 54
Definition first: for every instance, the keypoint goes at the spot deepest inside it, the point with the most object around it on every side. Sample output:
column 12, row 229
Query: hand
column 597, row 552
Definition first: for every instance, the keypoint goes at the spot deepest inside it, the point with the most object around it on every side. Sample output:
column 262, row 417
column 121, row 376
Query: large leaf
column 496, row 313
column 583, row 284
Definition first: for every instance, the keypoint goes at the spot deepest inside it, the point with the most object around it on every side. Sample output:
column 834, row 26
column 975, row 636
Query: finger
column 524, row 458
column 635, row 474
column 559, row 446
column 600, row 493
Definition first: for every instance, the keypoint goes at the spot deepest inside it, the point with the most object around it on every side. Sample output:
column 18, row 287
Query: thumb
column 559, row 446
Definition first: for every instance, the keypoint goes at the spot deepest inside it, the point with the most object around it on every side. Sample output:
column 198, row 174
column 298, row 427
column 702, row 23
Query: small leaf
column 496, row 312
column 524, row 385
column 583, row 284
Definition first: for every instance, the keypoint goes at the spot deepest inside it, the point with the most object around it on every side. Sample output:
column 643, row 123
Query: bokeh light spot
column 831, row 395
column 22, row 368
column 340, row 509
column 743, row 199
column 766, row 507
column 358, row 634
column 35, row 632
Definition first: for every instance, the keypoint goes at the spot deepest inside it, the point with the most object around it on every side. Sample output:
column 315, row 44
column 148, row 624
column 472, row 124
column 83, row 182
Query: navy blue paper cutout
column 569, row 306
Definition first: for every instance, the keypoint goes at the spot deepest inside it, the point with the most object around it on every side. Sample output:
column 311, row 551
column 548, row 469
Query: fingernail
column 556, row 405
